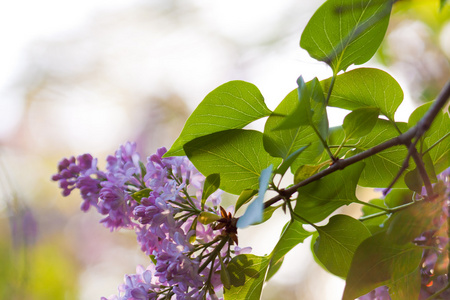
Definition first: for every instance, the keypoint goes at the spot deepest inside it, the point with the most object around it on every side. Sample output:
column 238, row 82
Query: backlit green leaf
column 382, row 167
column 247, row 274
column 232, row 105
column 437, row 136
column 320, row 198
column 310, row 109
column 212, row 183
column 345, row 32
column 410, row 222
column 282, row 143
column 141, row 194
column 405, row 286
column 238, row 155
column 379, row 261
column 245, row 196
column 360, row 122
column 337, row 242
column 365, row 87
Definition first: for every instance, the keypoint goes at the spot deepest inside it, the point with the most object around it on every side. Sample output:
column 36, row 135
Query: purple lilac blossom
column 78, row 174
column 162, row 224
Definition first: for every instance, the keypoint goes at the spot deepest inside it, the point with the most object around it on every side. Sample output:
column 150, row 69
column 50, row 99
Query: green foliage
column 360, row 122
column 284, row 142
column 382, row 167
column 345, row 32
column 370, row 149
column 412, row 221
column 315, row 202
column 437, row 138
column 365, row 87
column 338, row 241
column 230, row 106
column 144, row 193
column 212, row 183
column 245, row 196
column 405, row 286
column 247, row 273
column 238, row 154
column 375, row 222
column 379, row 261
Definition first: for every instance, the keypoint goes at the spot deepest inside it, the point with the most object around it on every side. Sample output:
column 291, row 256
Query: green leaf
column 141, row 194
column 212, row 183
column 305, row 171
column 245, row 197
column 405, row 286
column 397, row 197
column 310, row 109
column 283, row 143
column 272, row 271
column 360, row 122
column 320, row 198
column 143, row 169
column 288, row 161
column 437, row 136
column 254, row 212
column 293, row 234
column 345, row 32
column 382, row 167
column 337, row 242
column 335, row 137
column 206, row 217
column 365, row 87
column 232, row 105
column 302, row 114
column 379, row 261
column 247, row 273
column 414, row 181
column 442, row 4
column 224, row 274
column 237, row 154
column 410, row 222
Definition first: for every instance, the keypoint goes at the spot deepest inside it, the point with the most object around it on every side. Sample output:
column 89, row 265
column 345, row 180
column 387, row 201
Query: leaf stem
column 294, row 215
column 214, row 253
column 387, row 210
column 330, row 89
column 342, row 146
column 437, row 142
column 324, row 143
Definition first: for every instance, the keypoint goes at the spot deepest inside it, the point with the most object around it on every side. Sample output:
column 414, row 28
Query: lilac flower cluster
column 434, row 264
column 161, row 201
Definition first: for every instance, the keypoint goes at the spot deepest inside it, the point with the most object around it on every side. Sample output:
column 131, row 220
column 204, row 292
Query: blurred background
column 86, row 76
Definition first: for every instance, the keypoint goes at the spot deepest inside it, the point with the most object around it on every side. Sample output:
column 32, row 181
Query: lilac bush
column 162, row 202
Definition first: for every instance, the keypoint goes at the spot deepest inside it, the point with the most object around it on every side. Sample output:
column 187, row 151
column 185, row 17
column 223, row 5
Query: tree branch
column 403, row 139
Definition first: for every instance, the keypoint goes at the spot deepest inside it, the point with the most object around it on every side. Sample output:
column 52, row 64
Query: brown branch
column 403, row 139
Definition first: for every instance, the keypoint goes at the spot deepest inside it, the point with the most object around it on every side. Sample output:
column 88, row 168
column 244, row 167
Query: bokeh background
column 89, row 75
